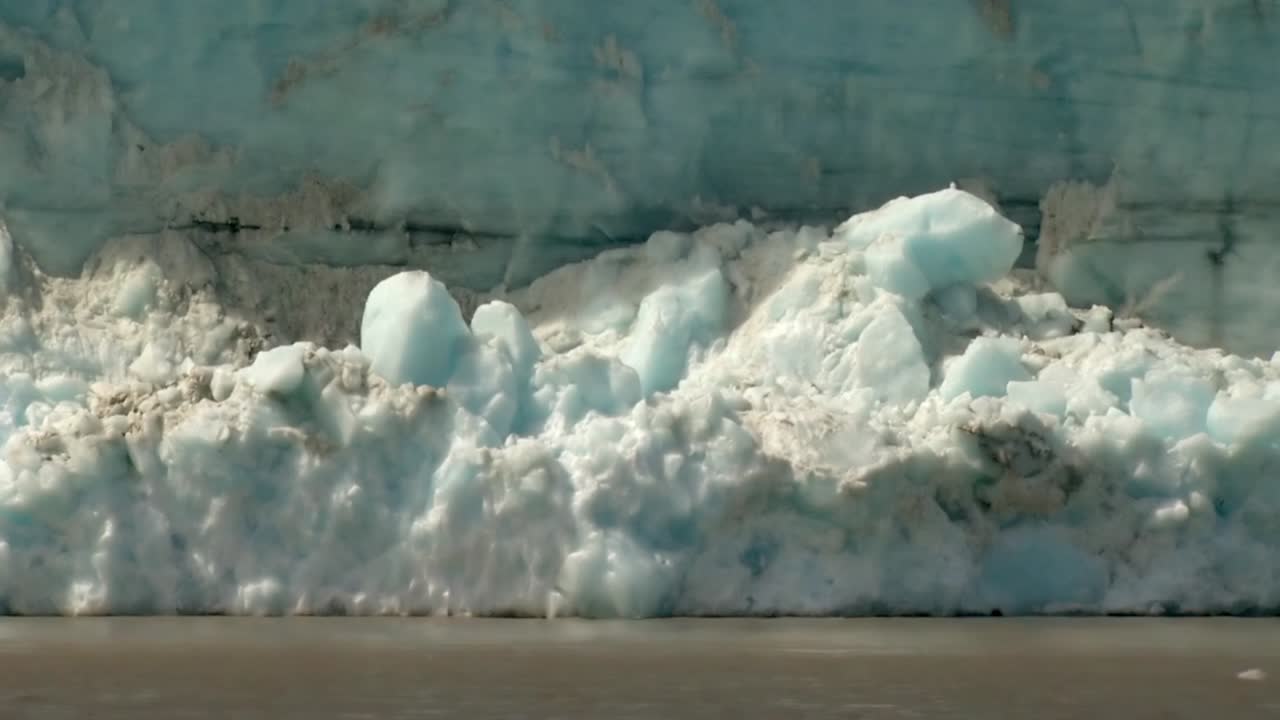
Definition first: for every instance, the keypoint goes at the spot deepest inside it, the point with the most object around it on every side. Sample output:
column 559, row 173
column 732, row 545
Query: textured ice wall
column 876, row 419
column 259, row 127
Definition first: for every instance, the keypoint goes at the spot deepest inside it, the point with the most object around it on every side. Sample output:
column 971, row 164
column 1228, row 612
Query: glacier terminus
column 692, row 307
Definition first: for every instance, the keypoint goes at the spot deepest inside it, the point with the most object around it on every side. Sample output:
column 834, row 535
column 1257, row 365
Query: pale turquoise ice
column 750, row 422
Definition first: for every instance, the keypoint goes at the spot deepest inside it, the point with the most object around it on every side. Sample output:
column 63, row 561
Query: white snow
column 879, row 419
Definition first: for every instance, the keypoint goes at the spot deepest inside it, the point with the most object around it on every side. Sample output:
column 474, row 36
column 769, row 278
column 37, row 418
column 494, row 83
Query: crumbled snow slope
column 878, row 419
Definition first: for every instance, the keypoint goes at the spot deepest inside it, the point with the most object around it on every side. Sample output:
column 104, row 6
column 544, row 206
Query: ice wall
column 509, row 136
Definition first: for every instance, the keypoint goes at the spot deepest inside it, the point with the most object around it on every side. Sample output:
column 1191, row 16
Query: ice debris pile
column 882, row 418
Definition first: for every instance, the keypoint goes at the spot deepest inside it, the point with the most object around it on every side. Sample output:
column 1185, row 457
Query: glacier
column 885, row 417
column 495, row 140
column 700, row 307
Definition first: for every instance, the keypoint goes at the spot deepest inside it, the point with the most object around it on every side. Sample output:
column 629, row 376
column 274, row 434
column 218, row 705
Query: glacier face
column 883, row 418
column 220, row 393
column 539, row 132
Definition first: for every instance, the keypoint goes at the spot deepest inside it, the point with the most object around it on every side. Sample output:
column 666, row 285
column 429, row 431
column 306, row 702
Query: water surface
column 147, row 669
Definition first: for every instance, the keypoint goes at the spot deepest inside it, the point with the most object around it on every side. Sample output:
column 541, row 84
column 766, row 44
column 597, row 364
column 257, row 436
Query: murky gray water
column 145, row 669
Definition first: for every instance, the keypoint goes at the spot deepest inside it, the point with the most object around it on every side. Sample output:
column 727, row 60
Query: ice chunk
column 1040, row 396
column 1232, row 419
column 503, row 322
column 61, row 387
column 1173, row 404
column 152, row 364
column 890, row 359
column 221, row 384
column 985, row 369
column 1045, row 315
column 485, row 384
column 671, row 321
column 582, row 382
column 917, row 245
column 137, row 291
column 412, row 330
column 1116, row 370
column 279, row 371
column 1098, row 320
column 958, row 302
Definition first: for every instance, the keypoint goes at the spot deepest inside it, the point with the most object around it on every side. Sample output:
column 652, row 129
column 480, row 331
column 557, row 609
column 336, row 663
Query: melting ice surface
column 881, row 418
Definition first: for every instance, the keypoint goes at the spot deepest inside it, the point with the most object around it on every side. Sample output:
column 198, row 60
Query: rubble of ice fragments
column 730, row 422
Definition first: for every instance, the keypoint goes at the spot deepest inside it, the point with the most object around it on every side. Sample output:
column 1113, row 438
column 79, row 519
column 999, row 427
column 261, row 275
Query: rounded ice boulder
column 917, row 245
column 503, row 323
column 412, row 330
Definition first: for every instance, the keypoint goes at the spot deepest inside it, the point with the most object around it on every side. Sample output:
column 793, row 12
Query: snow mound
column 736, row 421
